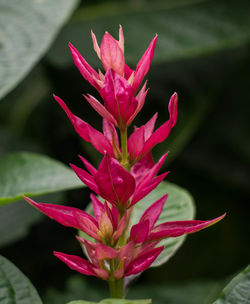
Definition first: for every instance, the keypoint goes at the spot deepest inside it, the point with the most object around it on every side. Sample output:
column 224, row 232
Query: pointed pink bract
column 115, row 184
column 111, row 54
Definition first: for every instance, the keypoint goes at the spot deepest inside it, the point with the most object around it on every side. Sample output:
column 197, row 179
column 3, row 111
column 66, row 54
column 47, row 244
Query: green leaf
column 15, row 287
column 15, row 221
column 113, row 301
column 186, row 29
column 27, row 31
column 31, row 174
column 238, row 290
column 179, row 206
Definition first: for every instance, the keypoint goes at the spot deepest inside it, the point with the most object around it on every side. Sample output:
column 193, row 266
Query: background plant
column 203, row 54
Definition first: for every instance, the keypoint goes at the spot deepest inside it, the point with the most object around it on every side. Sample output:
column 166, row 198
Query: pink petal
column 141, row 192
column 118, row 96
column 76, row 263
column 98, row 206
column 87, row 224
column 85, row 69
column 111, row 54
column 178, row 228
column 88, row 165
column 115, row 184
column 139, row 232
column 127, row 72
column 163, row 131
column 90, row 249
column 104, row 252
column 115, row 217
column 136, row 144
column 154, row 211
column 148, row 182
column 100, row 142
column 127, row 253
column 102, row 273
column 100, row 109
column 137, row 139
column 144, row 64
column 95, row 45
column 149, row 126
column 141, row 99
column 121, row 227
column 86, row 178
column 121, row 39
column 88, row 133
column 106, row 225
column 172, row 108
column 142, row 262
column 62, row 214
column 153, row 171
column 109, row 132
column 80, row 126
column 141, row 167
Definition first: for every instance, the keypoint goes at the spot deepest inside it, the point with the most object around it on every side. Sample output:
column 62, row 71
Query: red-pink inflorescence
column 126, row 174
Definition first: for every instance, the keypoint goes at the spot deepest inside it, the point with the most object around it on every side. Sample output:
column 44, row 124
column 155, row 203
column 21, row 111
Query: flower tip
column 29, row 200
column 175, row 95
column 216, row 220
column 70, row 45
column 57, row 254
column 72, row 166
column 55, row 96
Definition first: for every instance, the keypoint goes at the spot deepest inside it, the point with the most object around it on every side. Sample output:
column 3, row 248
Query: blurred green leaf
column 238, row 290
column 113, row 301
column 192, row 292
column 27, row 31
column 15, row 287
column 31, row 174
column 186, row 29
column 15, row 221
column 179, row 206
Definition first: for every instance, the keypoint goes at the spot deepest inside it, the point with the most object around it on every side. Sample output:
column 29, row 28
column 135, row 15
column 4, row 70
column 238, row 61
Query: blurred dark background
column 203, row 54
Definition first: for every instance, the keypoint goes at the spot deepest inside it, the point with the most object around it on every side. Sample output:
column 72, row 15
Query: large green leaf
column 15, row 287
column 179, row 206
column 31, row 174
column 27, row 30
column 113, row 301
column 238, row 290
column 186, row 28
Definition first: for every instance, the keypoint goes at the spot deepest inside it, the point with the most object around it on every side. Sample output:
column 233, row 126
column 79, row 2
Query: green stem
column 116, row 289
column 124, row 145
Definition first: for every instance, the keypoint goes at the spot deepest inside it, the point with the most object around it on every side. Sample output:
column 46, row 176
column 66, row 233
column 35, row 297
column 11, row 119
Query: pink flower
column 119, row 84
column 143, row 139
column 111, row 53
column 120, row 189
column 106, row 226
column 126, row 174
column 167, row 229
column 106, row 142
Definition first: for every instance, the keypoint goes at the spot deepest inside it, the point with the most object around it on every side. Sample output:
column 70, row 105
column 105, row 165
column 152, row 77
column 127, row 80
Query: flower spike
column 115, row 246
